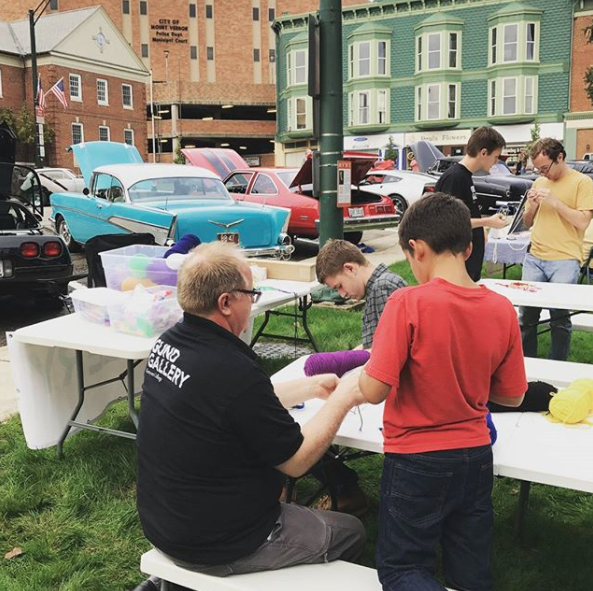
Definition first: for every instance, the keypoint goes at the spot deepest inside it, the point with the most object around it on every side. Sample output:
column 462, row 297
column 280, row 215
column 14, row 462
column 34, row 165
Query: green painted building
column 434, row 69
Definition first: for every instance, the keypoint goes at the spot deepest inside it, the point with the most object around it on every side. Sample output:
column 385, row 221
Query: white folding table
column 56, row 362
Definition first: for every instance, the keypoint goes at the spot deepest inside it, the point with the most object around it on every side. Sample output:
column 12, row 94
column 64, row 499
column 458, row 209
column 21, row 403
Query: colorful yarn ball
column 570, row 406
column 138, row 264
column 130, row 283
column 159, row 272
column 583, row 385
column 186, row 243
column 338, row 362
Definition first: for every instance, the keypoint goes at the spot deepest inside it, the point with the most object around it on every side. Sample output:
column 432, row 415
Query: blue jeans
column 534, row 269
column 427, row 498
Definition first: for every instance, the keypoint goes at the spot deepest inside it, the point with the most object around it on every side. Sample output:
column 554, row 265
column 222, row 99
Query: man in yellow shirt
column 558, row 209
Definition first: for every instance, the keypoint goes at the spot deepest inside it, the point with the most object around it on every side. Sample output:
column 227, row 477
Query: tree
column 179, row 157
column 23, row 126
column 535, row 135
column 391, row 151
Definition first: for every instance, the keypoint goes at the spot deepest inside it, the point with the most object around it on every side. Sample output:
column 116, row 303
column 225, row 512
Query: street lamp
column 34, row 15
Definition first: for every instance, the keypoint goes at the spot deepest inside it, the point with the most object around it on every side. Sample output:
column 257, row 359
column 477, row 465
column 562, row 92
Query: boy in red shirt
column 442, row 350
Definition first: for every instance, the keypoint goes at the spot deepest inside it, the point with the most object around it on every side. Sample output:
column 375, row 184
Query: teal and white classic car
column 127, row 195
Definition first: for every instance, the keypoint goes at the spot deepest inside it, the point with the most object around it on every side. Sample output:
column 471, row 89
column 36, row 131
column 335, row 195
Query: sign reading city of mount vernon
column 169, row 31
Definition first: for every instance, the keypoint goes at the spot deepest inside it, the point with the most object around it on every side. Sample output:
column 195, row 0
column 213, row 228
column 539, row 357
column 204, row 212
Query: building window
column 256, row 55
column 438, row 101
column 255, row 13
column 75, row 87
column 453, row 50
column 297, row 67
column 193, row 52
column 433, row 102
column 143, row 7
column 144, row 49
column 77, row 133
column 209, row 10
column 510, row 42
column 518, row 43
column 102, row 92
column 434, row 51
column 363, row 108
column 271, row 14
column 452, row 103
column 210, row 53
column 299, row 113
column 272, row 56
column 509, row 96
column 53, row 5
column 492, row 98
column 368, row 58
column 125, row 6
column 530, row 95
column 126, row 96
column 193, row 11
column 129, row 136
column 438, row 51
column 382, row 106
column 103, row 133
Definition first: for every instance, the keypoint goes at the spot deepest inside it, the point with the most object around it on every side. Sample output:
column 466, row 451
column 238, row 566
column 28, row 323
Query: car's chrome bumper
column 375, row 222
column 281, row 251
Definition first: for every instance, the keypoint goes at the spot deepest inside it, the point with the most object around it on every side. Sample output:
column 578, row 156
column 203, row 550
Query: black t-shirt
column 211, row 431
column 457, row 181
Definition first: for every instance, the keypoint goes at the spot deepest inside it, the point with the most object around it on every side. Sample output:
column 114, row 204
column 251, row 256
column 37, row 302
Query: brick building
column 435, row 70
column 213, row 65
column 579, row 122
column 104, row 80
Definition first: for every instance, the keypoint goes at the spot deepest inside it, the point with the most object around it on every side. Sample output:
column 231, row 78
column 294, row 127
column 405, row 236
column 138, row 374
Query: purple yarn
column 338, row 362
column 159, row 272
column 184, row 244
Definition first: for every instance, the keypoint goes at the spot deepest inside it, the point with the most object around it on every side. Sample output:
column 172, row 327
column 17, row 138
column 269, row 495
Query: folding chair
column 99, row 244
column 586, row 270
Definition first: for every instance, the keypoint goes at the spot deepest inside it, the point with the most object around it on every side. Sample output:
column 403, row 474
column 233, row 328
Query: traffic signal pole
column 331, row 140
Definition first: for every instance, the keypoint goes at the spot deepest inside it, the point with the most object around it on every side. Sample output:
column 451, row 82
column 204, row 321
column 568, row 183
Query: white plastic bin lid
column 99, row 296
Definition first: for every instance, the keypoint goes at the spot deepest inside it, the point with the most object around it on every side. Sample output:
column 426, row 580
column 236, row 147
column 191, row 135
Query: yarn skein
column 186, row 243
column 338, row 362
column 570, row 405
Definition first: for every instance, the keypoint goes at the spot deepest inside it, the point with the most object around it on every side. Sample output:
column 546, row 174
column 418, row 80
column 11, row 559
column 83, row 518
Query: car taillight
column 429, row 189
column 52, row 249
column 30, row 250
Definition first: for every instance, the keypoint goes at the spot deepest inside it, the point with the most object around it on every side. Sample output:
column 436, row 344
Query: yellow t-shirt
column 552, row 237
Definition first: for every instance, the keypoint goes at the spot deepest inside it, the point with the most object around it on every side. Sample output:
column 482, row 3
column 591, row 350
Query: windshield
column 287, row 176
column 179, row 188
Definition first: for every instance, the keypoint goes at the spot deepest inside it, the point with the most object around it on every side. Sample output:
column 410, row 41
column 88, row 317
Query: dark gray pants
column 300, row 536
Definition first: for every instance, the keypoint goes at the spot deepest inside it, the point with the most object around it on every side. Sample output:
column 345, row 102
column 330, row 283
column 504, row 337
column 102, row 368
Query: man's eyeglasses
column 254, row 293
column 546, row 169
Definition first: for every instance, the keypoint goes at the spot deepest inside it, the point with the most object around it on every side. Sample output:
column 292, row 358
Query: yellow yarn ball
column 584, row 385
column 570, row 405
column 130, row 283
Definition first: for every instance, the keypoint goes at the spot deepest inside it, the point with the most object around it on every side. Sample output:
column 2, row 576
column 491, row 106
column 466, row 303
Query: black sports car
column 496, row 189
column 30, row 262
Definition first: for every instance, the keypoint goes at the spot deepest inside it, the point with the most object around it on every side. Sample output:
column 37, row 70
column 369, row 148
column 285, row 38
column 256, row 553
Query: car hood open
column 90, row 155
column 426, row 154
column 221, row 161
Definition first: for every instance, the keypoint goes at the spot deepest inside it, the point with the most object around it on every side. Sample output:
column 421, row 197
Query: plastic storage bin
column 138, row 264
column 93, row 304
column 146, row 312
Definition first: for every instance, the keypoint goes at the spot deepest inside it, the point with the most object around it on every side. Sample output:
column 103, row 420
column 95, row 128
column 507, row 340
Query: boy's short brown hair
column 484, row 138
column 441, row 220
column 334, row 255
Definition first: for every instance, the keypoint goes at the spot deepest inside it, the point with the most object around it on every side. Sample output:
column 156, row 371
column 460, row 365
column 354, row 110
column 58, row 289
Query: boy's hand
column 323, row 385
column 348, row 388
column 498, row 221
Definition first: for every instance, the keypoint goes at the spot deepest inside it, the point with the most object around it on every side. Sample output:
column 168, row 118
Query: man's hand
column 544, row 195
column 323, row 385
column 498, row 221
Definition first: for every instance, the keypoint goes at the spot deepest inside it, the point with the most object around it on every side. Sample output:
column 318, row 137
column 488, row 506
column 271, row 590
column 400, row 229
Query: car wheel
column 400, row 203
column 64, row 233
column 353, row 237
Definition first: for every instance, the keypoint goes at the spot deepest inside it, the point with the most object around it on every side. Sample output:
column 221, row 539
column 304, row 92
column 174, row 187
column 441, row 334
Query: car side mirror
column 86, row 192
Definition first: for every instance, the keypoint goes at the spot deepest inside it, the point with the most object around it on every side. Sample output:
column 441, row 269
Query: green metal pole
column 34, row 83
column 331, row 220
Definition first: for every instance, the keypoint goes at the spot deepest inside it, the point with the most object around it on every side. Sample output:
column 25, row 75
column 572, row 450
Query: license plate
column 232, row 237
column 356, row 212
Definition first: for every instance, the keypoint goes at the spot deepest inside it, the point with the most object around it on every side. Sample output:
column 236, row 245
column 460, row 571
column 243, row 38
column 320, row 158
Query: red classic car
column 291, row 188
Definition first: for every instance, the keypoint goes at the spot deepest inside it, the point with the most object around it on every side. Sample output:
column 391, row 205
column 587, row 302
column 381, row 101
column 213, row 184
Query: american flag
column 58, row 90
column 40, row 98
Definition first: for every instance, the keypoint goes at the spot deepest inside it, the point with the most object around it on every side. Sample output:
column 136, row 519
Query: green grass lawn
column 76, row 521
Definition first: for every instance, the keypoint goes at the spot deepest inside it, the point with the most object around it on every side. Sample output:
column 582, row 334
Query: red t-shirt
column 443, row 349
